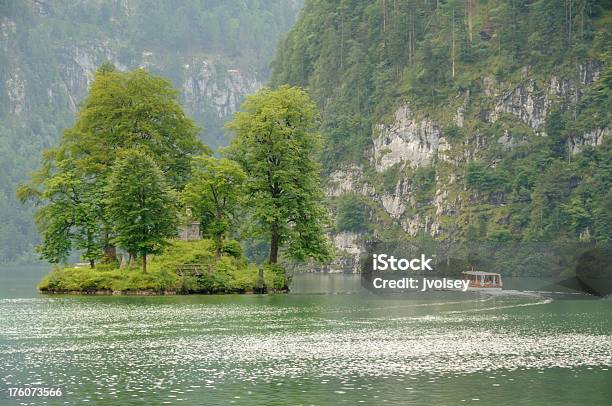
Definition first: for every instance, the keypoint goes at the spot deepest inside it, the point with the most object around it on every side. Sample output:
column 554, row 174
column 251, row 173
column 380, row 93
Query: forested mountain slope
column 480, row 120
column 214, row 52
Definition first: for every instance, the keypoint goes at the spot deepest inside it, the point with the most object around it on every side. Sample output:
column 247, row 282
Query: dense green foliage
column 275, row 144
column 362, row 59
column 70, row 216
column 214, row 195
column 359, row 57
column 545, row 198
column 141, row 205
column 128, row 110
column 351, row 214
column 49, row 50
column 227, row 274
column 84, row 195
column 116, row 179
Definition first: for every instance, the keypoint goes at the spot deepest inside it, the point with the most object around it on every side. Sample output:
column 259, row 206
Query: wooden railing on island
column 193, row 269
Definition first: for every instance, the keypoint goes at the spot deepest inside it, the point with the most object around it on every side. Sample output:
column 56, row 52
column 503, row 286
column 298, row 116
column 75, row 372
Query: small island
column 131, row 174
column 184, row 267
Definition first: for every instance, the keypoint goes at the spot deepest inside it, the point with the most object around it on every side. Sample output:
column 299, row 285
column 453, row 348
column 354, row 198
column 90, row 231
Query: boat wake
column 510, row 306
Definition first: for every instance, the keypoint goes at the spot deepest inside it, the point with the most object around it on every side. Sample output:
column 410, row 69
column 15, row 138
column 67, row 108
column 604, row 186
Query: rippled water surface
column 325, row 343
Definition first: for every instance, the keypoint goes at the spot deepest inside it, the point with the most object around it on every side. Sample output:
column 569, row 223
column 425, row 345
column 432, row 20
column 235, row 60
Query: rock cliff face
column 205, row 86
column 595, row 137
column 460, row 121
column 77, row 65
column 413, row 140
column 15, row 89
column 222, row 90
column 212, row 84
column 349, row 246
column 407, row 140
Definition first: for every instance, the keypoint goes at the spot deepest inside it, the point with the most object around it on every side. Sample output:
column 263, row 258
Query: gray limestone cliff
column 413, row 140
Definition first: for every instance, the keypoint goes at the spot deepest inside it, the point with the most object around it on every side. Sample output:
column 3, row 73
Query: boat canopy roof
column 481, row 273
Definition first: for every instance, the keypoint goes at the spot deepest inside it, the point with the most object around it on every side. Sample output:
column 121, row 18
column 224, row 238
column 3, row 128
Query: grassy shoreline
column 229, row 274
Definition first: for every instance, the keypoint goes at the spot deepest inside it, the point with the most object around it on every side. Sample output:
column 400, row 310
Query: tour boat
column 483, row 280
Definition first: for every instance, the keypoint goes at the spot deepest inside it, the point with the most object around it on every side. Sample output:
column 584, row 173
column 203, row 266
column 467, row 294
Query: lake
column 328, row 342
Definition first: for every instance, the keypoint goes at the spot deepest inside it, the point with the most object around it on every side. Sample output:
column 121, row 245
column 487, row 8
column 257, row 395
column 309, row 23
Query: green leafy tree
column 143, row 208
column 123, row 110
column 275, row 144
column 351, row 214
column 576, row 214
column 132, row 110
column 213, row 195
column 70, row 218
column 556, row 131
column 483, row 178
column 239, row 34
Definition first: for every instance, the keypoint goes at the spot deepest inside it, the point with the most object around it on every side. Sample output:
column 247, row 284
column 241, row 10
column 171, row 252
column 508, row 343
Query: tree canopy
column 48, row 49
column 124, row 110
column 214, row 195
column 141, row 204
column 276, row 144
column 128, row 110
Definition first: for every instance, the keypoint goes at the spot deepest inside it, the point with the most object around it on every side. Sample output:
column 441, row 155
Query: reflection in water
column 308, row 347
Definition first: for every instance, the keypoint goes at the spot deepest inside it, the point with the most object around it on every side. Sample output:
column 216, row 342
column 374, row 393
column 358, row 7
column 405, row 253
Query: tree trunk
column 219, row 246
column 468, row 14
column 144, row 262
column 218, row 238
column 453, row 40
column 92, row 263
column 341, row 40
column 384, row 7
column 274, row 244
column 110, row 251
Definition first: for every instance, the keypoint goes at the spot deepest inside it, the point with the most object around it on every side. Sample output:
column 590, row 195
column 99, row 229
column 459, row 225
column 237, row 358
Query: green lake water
column 327, row 342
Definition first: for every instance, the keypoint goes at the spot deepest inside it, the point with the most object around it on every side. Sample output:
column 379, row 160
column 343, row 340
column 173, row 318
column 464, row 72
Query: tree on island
column 122, row 110
column 275, row 144
column 70, row 216
column 142, row 207
column 213, row 195
column 133, row 110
